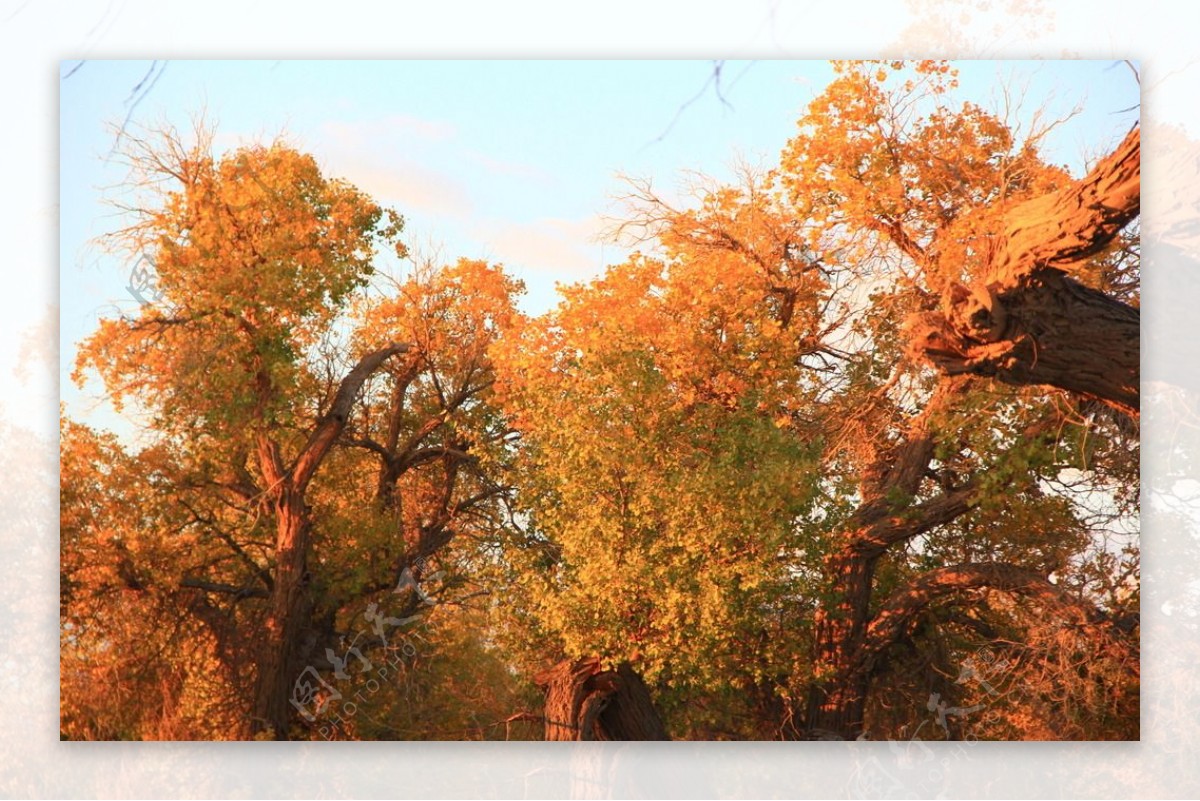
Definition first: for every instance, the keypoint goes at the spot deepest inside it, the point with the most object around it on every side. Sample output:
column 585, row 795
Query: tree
column 131, row 666
column 953, row 195
column 659, row 478
column 871, row 490
column 838, row 437
column 992, row 230
column 250, row 388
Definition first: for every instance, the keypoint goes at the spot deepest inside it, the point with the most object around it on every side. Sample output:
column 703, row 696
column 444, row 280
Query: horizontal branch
column 906, row 603
column 192, row 582
column 369, row 444
column 422, row 455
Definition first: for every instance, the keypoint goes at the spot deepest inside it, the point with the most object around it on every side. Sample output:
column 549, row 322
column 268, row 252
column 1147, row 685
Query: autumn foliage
column 780, row 474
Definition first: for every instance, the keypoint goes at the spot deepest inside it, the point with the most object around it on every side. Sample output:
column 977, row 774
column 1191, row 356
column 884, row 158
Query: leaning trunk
column 586, row 702
column 838, row 688
column 1023, row 320
column 1042, row 329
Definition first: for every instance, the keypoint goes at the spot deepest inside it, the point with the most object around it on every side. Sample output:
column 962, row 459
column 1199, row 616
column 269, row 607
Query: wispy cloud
column 388, row 157
column 408, row 185
column 564, row 248
column 515, row 169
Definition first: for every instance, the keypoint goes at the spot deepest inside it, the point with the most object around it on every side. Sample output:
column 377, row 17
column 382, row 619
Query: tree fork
column 289, row 606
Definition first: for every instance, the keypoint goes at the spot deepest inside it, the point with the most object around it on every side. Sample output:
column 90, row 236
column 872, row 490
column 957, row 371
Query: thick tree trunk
column 838, row 694
column 289, row 607
column 585, row 702
column 287, row 620
column 1045, row 329
column 1025, row 322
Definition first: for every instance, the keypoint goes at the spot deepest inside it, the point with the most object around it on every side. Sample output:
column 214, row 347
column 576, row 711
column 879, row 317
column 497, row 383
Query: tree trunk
column 1045, row 329
column 287, row 620
column 838, row 694
column 585, row 702
column 885, row 518
column 290, row 607
column 1025, row 322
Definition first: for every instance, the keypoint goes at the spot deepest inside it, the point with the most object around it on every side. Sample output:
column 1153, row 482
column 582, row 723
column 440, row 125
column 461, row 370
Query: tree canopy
column 846, row 448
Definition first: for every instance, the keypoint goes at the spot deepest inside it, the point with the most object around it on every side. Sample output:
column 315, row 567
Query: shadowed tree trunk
column 1043, row 329
column 287, row 618
column 585, row 702
column 885, row 518
column 289, row 607
column 837, row 696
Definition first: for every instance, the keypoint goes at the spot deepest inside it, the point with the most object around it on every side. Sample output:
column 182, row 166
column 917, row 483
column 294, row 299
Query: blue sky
column 511, row 161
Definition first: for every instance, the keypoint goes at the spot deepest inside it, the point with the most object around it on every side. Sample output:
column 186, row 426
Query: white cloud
column 379, row 157
column 564, row 248
column 408, row 185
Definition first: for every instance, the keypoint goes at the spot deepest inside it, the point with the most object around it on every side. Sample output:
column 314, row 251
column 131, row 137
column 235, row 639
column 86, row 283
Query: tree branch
column 227, row 589
column 1026, row 322
column 1074, row 223
column 904, row 604
column 333, row 422
column 917, row 519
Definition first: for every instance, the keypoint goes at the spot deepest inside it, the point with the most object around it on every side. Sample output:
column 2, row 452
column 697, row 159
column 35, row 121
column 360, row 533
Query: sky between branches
column 515, row 162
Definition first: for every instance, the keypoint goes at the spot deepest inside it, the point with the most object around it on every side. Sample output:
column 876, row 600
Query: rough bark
column 1076, row 222
column 838, row 692
column 289, row 607
column 287, row 619
column 1026, row 322
column 1043, row 329
column 837, row 696
column 586, row 702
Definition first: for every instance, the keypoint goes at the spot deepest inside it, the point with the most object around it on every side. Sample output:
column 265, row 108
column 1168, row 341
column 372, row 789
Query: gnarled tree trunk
column 1026, row 322
column 1043, row 328
column 837, row 693
column 289, row 607
column 287, row 619
column 586, row 702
